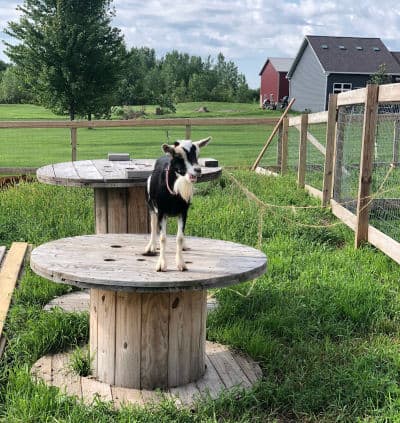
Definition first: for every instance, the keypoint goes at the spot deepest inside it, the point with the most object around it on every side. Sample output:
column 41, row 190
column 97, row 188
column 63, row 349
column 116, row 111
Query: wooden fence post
column 301, row 175
column 285, row 141
column 73, row 144
column 329, row 152
column 366, row 165
column 279, row 147
column 188, row 131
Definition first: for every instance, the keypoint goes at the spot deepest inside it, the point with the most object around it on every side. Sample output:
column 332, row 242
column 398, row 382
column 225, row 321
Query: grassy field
column 189, row 110
column 324, row 322
column 232, row 145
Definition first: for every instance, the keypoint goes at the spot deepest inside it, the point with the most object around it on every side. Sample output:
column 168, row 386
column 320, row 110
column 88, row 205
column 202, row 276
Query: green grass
column 216, row 109
column 232, row 145
column 26, row 112
column 323, row 321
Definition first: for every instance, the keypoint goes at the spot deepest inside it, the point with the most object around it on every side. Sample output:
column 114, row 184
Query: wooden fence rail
column 187, row 123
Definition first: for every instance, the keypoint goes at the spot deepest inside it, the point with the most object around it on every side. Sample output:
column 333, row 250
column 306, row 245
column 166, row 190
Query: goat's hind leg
column 162, row 263
column 151, row 248
column 180, row 241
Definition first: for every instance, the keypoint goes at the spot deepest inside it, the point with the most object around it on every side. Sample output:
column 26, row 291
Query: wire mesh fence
column 271, row 158
column 348, row 154
column 384, row 211
column 315, row 156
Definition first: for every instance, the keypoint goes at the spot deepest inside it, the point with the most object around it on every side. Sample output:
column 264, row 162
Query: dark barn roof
column 353, row 55
column 281, row 64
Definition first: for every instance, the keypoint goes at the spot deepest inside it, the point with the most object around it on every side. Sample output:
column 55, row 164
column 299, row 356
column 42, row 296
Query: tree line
column 70, row 59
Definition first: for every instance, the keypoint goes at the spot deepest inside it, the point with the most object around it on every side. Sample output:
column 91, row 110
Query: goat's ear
column 203, row 142
column 169, row 149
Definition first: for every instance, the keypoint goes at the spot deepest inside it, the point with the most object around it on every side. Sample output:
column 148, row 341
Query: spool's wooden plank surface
column 198, row 328
column 180, row 335
column 93, row 317
column 249, row 367
column 187, row 394
column 128, row 339
column 46, row 174
column 107, row 174
column 117, row 213
column 138, row 213
column 226, row 366
column 76, row 301
column 64, row 376
column 122, row 396
column 101, row 210
column 9, row 273
column 106, row 336
column 91, row 388
column 154, row 340
column 86, row 170
column 43, row 369
column 211, row 383
column 85, row 261
column 65, row 171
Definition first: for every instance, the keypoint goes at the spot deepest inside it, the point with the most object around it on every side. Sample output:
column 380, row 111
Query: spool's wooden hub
column 149, row 340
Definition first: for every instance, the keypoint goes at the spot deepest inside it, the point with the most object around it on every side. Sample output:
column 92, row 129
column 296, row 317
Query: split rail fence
column 348, row 157
column 28, row 136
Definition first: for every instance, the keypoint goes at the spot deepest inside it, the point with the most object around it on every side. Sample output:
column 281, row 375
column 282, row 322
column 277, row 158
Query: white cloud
column 246, row 31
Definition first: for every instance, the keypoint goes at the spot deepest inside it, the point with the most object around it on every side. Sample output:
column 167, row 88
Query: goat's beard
column 184, row 188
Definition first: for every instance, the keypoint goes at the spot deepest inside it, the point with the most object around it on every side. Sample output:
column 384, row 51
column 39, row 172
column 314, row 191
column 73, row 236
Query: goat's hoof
column 182, row 267
column 161, row 267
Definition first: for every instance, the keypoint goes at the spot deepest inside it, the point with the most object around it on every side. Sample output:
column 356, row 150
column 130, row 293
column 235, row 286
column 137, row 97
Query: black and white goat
column 169, row 192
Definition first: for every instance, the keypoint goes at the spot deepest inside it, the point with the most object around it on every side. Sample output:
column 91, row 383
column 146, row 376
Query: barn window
column 359, row 48
column 342, row 47
column 376, row 49
column 324, row 46
column 341, row 87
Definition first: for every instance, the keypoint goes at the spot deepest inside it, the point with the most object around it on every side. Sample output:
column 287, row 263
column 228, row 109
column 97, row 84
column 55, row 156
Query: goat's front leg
column 180, row 240
column 162, row 264
column 151, row 248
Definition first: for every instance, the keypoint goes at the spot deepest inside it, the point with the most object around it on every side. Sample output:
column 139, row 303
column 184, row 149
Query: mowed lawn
column 323, row 322
column 231, row 145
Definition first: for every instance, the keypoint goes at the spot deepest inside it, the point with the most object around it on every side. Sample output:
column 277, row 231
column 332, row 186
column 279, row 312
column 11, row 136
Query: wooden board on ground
column 2, row 253
column 9, row 273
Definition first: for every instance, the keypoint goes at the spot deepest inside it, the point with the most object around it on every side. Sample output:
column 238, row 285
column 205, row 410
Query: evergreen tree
column 380, row 77
column 69, row 55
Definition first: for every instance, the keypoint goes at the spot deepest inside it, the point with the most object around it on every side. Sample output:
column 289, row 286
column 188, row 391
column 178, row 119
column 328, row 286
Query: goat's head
column 185, row 155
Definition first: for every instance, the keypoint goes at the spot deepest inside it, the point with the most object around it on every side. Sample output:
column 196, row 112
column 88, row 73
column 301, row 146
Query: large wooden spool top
column 116, row 262
column 107, row 174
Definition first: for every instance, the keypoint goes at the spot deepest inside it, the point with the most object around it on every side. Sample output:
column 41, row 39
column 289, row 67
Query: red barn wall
column 269, row 83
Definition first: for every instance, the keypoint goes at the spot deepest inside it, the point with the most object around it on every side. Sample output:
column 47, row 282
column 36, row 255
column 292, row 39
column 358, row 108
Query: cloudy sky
column 245, row 31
